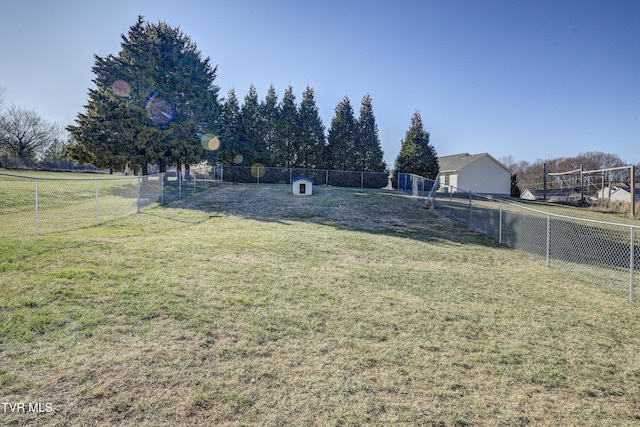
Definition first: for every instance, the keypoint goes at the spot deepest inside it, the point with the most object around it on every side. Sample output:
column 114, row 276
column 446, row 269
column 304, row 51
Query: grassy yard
column 68, row 201
column 247, row 306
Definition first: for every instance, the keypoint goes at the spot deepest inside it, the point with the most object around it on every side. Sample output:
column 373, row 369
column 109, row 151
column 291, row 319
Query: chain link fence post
column 548, row 239
column 138, row 205
column 632, row 258
column 97, row 202
column 37, row 225
column 470, row 223
column 162, row 177
column 500, row 224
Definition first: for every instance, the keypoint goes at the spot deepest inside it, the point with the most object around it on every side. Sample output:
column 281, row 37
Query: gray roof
column 555, row 192
column 458, row 161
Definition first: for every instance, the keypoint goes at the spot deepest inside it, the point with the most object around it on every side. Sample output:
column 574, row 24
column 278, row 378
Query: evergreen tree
column 252, row 129
column 287, row 144
column 270, row 119
column 343, row 135
column 416, row 155
column 231, row 151
column 515, row 188
column 369, row 152
column 311, row 130
column 150, row 102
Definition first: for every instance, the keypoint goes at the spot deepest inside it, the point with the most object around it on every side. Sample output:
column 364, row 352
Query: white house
column 476, row 173
column 302, row 186
column 617, row 193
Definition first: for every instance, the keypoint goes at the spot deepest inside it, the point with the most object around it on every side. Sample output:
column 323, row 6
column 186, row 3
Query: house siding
column 485, row 176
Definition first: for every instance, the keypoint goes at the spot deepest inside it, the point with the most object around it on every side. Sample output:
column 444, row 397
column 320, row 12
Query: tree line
column 155, row 103
column 283, row 133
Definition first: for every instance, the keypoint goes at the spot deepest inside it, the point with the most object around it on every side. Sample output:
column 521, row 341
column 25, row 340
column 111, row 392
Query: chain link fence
column 268, row 175
column 605, row 254
column 43, row 202
column 415, row 185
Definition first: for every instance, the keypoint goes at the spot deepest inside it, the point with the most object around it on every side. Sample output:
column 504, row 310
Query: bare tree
column 25, row 135
column 509, row 163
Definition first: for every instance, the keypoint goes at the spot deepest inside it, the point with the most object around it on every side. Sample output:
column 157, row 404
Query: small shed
column 302, row 186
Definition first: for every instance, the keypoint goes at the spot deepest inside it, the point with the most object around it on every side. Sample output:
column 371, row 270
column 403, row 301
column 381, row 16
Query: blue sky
column 532, row 79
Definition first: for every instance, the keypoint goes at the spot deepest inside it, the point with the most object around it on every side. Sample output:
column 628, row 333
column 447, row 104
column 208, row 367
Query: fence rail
column 45, row 203
column 336, row 178
column 606, row 254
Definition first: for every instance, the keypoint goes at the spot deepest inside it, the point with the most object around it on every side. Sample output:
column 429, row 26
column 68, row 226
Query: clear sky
column 534, row 79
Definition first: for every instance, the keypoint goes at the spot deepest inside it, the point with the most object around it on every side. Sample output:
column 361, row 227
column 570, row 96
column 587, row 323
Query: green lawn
column 245, row 305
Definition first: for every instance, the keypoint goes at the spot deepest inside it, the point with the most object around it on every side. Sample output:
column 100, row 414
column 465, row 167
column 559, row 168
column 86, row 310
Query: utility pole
column 544, row 181
column 581, row 183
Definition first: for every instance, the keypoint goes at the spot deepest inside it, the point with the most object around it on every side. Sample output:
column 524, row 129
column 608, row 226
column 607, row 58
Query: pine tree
column 515, row 188
column 270, row 117
column 343, row 135
column 369, row 152
column 287, row 144
column 311, row 131
column 230, row 128
column 416, row 155
column 150, row 102
column 252, row 129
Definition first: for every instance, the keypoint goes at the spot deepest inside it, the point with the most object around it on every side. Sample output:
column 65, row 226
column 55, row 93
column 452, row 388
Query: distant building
column 475, row 173
column 618, row 193
column 553, row 194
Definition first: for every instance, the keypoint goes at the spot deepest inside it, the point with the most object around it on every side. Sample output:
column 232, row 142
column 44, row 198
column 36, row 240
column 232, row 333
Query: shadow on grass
column 384, row 212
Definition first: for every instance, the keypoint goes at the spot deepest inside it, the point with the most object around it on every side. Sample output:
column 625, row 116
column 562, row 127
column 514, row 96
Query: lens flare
column 257, row 170
column 209, row 141
column 238, row 159
column 121, row 88
column 159, row 110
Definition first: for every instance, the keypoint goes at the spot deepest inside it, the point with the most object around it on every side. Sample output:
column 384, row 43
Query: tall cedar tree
column 270, row 117
column 230, row 130
column 287, row 144
column 312, row 138
column 150, row 102
column 343, row 134
column 416, row 154
column 252, row 129
column 370, row 155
